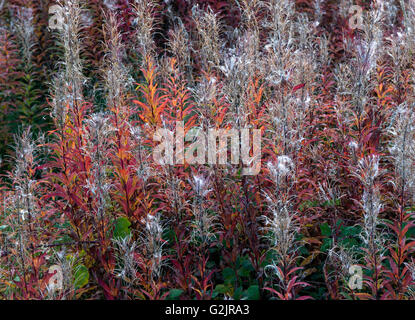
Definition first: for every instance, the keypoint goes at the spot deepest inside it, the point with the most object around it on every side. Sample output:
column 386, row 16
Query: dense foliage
column 86, row 212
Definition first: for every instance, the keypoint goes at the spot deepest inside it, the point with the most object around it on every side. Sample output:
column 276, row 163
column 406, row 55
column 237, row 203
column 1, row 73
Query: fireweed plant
column 87, row 213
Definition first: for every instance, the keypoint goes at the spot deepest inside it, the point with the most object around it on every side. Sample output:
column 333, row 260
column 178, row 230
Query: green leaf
column 174, row 294
column 81, row 276
column 252, row 293
column 325, row 229
column 220, row 288
column 350, row 243
column 245, row 267
column 410, row 233
column 307, row 204
column 121, row 228
column 237, row 294
column 326, row 245
column 331, row 203
column 229, row 275
column 351, row 231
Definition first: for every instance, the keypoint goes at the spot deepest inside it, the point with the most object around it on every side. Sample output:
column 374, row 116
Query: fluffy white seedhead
column 24, row 27
column 281, row 229
column 283, row 167
column 61, row 284
column 368, row 172
column 200, row 185
column 209, row 30
column 402, row 147
column 125, row 249
column 146, row 24
column 110, row 4
column 203, row 221
column 338, row 262
column 152, row 239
